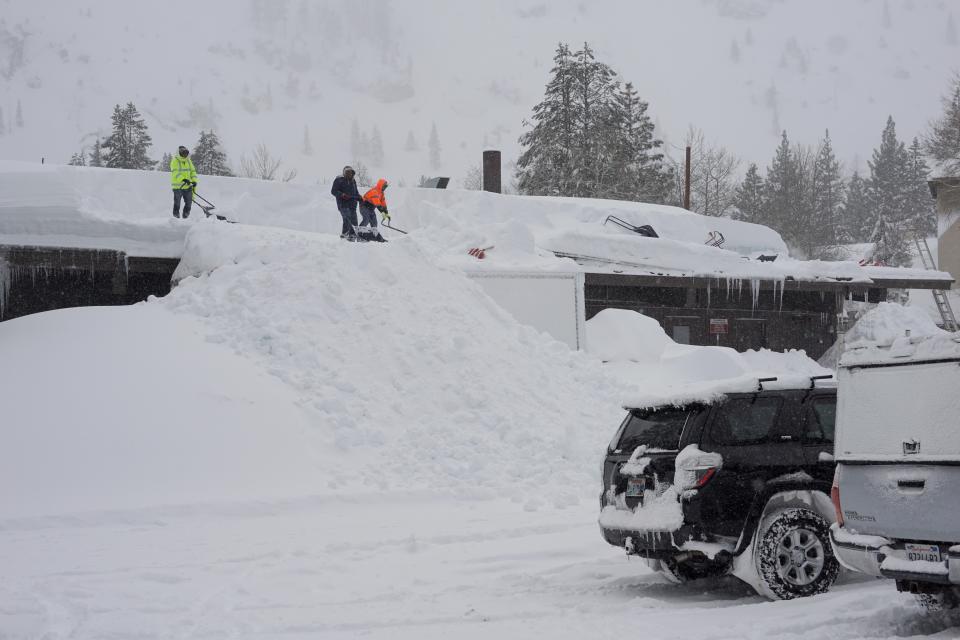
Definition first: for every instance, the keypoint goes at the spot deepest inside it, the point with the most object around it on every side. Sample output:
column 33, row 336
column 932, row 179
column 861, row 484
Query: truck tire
column 794, row 558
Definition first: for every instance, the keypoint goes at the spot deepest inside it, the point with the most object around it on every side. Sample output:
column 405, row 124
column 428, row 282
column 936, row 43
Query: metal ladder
column 939, row 295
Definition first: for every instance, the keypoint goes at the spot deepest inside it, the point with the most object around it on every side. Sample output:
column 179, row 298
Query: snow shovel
column 210, row 207
column 386, row 223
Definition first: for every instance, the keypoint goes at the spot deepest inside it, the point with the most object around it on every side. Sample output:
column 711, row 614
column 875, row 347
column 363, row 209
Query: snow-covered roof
column 46, row 205
column 893, row 333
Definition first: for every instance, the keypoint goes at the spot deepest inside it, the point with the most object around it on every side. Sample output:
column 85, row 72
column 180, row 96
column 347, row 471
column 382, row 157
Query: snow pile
column 895, row 332
column 638, row 352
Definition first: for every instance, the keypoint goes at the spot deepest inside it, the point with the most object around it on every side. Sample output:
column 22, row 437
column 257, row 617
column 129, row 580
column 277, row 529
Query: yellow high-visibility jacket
column 181, row 169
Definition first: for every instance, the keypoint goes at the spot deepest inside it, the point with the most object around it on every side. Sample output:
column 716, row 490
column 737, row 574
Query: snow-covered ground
column 313, row 438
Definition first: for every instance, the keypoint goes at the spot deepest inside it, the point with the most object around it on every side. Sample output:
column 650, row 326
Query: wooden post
column 686, row 182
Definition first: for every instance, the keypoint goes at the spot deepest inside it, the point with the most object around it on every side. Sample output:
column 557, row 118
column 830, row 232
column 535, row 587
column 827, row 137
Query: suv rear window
column 745, row 420
column 656, row 428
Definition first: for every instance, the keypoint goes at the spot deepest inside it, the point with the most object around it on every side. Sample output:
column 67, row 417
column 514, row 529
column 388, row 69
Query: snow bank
column 659, row 371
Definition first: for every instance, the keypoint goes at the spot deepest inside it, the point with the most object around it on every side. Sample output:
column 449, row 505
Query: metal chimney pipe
column 491, row 172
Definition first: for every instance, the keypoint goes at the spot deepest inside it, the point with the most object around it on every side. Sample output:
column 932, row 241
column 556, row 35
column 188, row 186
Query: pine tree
column 782, row 193
column 78, row 159
column 942, row 142
column 749, row 197
column 127, row 146
column 593, row 88
column 920, row 205
column 19, row 116
column 545, row 167
column 735, row 51
column 376, row 148
column 433, row 145
column 856, row 218
column 411, row 144
column 887, row 198
column 637, row 170
column 307, row 145
column 164, row 164
column 209, row 157
column 96, row 155
column 824, row 228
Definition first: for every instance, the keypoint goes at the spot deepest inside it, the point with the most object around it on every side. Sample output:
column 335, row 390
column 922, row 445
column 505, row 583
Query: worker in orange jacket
column 373, row 199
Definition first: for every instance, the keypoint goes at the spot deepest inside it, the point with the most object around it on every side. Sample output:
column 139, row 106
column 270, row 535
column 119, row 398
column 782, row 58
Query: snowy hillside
column 280, row 71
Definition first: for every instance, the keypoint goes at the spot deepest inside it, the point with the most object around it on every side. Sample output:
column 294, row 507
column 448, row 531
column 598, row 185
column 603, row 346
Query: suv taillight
column 835, row 495
column 698, row 477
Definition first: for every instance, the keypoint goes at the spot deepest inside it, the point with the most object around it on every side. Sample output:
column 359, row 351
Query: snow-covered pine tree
column 920, row 205
column 376, row 147
column 79, row 159
column 856, row 219
column 164, row 164
column 942, row 142
column 96, row 154
column 782, row 192
column 887, row 197
column 749, row 197
column 307, row 145
column 433, row 145
column 823, row 231
column 411, row 143
column 545, row 166
column 18, row 118
column 637, row 168
column 126, row 147
column 209, row 157
column 593, row 87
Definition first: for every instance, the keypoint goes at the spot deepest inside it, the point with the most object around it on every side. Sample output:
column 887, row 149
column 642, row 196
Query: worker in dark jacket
column 345, row 191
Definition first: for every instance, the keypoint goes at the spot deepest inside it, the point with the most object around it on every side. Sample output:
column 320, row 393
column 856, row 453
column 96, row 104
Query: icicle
column 783, row 285
column 755, row 290
column 4, row 286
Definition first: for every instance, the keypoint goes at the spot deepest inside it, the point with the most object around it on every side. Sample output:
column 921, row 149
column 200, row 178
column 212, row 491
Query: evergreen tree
column 545, row 167
column 593, row 89
column 19, row 117
column 433, row 145
column 376, row 148
column 921, row 209
column 735, row 51
column 942, row 142
column 209, row 157
column 307, row 145
column 411, row 144
column 96, row 155
column 781, row 193
column 857, row 223
column 129, row 142
column 78, row 159
column 637, row 169
column 887, row 198
column 824, row 228
column 164, row 164
column 749, row 197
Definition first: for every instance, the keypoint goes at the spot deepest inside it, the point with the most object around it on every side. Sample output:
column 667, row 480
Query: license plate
column 928, row 552
column 635, row 487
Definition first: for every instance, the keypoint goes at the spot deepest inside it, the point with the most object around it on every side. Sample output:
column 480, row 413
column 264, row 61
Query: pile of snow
column 387, row 372
column 895, row 332
column 659, row 371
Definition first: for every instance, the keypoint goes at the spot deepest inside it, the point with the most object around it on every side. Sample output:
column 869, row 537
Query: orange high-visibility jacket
column 375, row 195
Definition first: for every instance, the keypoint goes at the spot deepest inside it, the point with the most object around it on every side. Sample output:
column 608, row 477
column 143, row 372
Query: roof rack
column 813, row 380
column 762, row 380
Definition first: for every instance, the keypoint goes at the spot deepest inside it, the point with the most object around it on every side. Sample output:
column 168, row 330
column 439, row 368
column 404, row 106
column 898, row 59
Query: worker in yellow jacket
column 183, row 178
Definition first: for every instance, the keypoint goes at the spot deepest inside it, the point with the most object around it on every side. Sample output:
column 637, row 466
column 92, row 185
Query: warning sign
column 719, row 325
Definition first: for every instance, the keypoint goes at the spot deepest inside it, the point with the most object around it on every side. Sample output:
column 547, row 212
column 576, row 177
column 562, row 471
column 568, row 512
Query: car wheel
column 794, row 558
column 948, row 598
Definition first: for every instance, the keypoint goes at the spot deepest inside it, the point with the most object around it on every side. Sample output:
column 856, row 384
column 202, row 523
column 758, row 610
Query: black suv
column 740, row 485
